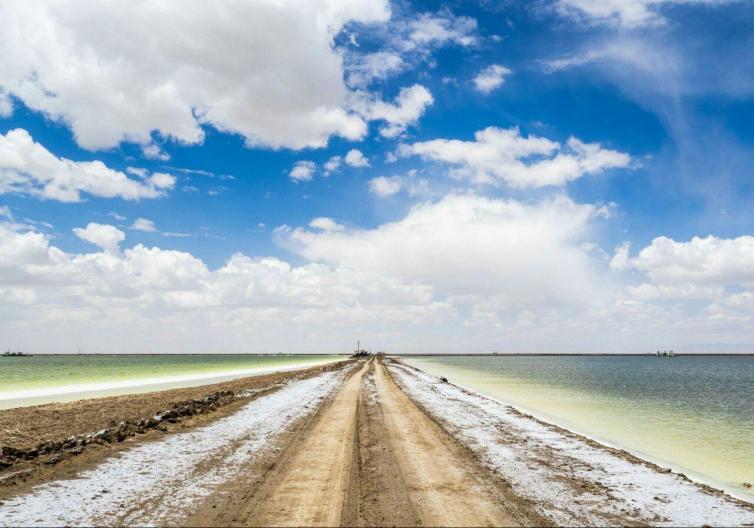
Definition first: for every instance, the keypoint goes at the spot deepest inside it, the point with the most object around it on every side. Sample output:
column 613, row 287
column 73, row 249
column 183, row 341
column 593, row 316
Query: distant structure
column 15, row 354
column 359, row 352
column 665, row 353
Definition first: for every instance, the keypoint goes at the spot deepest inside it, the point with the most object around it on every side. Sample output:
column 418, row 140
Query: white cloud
column 279, row 82
column 302, row 171
column 625, row 13
column 464, row 273
column 154, row 152
column 332, row 165
column 27, row 167
column 411, row 184
column 6, row 105
column 161, row 294
column 408, row 108
column 620, row 260
column 505, row 156
column 404, row 43
column 700, row 261
column 116, row 216
column 143, row 224
column 491, row 77
column 435, row 29
column 385, row 186
column 465, row 245
column 326, row 224
column 355, row 158
column 104, row 236
column 366, row 68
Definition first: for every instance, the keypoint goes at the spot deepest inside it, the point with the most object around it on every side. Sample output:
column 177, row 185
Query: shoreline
column 664, row 464
column 474, row 419
column 736, row 491
column 73, row 392
column 402, row 446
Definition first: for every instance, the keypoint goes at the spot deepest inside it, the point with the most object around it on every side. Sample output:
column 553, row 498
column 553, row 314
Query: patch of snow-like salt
column 158, row 482
column 570, row 481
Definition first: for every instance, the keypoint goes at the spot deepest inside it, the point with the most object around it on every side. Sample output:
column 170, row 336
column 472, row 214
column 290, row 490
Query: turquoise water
column 44, row 378
column 693, row 413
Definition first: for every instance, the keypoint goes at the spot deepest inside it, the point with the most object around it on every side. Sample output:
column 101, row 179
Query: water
column 692, row 413
column 42, row 379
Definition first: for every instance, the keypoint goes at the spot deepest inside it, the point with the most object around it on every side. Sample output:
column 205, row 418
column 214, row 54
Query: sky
column 554, row 176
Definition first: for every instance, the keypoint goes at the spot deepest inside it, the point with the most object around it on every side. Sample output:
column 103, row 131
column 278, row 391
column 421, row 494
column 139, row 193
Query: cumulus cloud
column 470, row 245
column 620, row 260
column 104, row 236
column 490, row 78
column 505, row 156
column 144, row 290
column 463, row 270
column 154, row 152
column 326, row 224
column 424, row 264
column 700, row 261
column 279, row 83
column 385, row 186
column 332, row 165
column 143, row 224
column 302, row 171
column 355, row 158
column 27, row 167
column 409, row 106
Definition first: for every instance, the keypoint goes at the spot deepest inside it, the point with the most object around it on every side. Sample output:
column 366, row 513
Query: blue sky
column 518, row 176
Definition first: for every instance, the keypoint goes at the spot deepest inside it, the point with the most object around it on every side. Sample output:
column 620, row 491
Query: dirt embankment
column 33, row 439
column 364, row 456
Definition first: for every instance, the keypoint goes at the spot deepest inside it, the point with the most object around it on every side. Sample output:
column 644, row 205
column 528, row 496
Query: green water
column 44, row 378
column 693, row 413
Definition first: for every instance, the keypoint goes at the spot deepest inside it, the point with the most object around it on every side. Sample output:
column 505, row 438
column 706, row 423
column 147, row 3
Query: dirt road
column 347, row 446
column 342, row 447
column 370, row 457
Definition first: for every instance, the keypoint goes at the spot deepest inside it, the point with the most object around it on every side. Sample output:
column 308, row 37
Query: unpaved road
column 343, row 447
column 369, row 457
column 358, row 444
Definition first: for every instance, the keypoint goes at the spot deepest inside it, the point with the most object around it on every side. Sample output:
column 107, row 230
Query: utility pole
column 358, row 346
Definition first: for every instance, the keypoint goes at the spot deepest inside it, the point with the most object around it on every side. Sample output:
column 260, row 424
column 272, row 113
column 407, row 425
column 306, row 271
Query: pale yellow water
column 695, row 414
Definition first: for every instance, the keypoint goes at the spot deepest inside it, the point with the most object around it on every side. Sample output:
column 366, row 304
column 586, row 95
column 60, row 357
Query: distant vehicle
column 665, row 353
column 14, row 354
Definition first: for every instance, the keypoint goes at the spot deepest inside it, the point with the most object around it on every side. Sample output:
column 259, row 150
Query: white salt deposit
column 570, row 481
column 158, row 482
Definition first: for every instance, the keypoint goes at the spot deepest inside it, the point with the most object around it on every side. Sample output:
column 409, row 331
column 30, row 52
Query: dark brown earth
column 24, row 429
